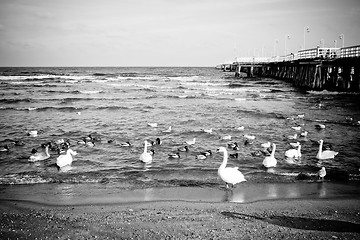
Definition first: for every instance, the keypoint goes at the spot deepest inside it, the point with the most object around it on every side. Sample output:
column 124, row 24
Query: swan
column 270, row 161
column 322, row 173
column 39, row 156
column 294, row 153
column 145, row 156
column 301, row 115
column 191, row 142
column 230, row 175
column 327, row 154
column 65, row 158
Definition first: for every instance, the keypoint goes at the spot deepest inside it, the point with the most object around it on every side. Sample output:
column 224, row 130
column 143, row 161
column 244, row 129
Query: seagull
column 249, row 137
column 152, row 124
column 320, row 126
column 183, row 149
column 226, row 137
column 322, row 173
column 167, row 130
column 208, row 130
column 298, row 128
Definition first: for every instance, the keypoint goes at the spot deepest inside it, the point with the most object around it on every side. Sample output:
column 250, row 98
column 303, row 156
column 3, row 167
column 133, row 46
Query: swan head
column 221, row 149
column 321, row 141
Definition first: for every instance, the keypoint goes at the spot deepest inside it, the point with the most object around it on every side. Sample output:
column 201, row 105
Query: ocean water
column 116, row 104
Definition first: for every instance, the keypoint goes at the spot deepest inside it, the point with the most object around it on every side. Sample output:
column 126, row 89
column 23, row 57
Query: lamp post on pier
column 335, row 41
column 343, row 39
column 286, row 38
column 275, row 43
column 306, row 29
column 322, row 42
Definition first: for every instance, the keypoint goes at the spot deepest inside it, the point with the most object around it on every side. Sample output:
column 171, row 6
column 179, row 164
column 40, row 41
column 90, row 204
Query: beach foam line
column 97, row 194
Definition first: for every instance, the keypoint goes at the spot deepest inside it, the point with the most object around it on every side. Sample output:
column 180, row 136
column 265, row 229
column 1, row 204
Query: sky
column 168, row 32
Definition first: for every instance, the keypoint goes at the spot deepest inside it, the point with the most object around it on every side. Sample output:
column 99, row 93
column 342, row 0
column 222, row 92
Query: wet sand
column 304, row 216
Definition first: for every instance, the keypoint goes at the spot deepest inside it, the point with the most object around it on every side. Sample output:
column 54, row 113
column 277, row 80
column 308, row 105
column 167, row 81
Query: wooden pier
column 333, row 69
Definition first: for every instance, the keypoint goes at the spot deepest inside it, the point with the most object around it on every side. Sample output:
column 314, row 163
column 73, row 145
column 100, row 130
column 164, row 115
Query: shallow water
column 118, row 103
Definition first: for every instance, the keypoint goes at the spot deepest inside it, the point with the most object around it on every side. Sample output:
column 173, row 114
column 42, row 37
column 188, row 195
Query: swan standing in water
column 327, row 154
column 294, row 153
column 270, row 161
column 230, row 175
column 145, row 157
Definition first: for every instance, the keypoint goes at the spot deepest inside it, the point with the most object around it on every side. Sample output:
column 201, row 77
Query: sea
column 133, row 104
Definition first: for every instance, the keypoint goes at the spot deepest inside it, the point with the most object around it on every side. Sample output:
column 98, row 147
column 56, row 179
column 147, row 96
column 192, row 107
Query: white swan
column 322, row 173
column 39, row 156
column 327, row 154
column 65, row 158
column 145, row 156
column 241, row 128
column 294, row 153
column 230, row 175
column 270, row 161
column 226, row 137
column 297, row 128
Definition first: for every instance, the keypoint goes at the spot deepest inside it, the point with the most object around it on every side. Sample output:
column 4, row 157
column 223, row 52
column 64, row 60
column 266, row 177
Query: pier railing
column 313, row 53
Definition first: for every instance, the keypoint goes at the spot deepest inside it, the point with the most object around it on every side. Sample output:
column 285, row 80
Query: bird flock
column 230, row 175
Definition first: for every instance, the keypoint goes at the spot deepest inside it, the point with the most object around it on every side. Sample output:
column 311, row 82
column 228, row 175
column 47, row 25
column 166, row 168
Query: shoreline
column 271, row 219
column 101, row 194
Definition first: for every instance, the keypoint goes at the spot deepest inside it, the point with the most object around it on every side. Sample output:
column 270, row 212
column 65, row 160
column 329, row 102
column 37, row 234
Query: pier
column 333, row 69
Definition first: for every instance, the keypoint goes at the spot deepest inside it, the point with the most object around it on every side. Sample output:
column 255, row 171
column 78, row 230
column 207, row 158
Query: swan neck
column 225, row 159
column 320, row 148
column 145, row 147
column 273, row 150
column 47, row 151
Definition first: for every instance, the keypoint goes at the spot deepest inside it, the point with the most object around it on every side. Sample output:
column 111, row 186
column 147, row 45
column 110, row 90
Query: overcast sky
column 167, row 32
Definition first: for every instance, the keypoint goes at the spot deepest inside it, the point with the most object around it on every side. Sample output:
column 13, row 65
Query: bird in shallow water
column 146, row 157
column 66, row 157
column 327, row 154
column 39, row 156
column 230, row 175
column 322, row 173
column 270, row 161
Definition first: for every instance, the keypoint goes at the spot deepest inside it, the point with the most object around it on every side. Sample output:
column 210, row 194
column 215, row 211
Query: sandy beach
column 296, row 218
